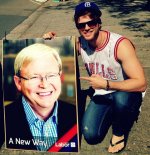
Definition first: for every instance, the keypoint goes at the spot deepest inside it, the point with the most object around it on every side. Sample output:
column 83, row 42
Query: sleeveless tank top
column 103, row 60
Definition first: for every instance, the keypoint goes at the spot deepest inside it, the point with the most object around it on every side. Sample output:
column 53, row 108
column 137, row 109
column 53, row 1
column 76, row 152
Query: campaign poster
column 40, row 98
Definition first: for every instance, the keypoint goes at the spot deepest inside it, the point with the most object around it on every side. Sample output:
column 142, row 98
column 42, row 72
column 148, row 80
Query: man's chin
column 45, row 106
column 89, row 38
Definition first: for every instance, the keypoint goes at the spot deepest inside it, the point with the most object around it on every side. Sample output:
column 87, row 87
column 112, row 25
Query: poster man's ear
column 17, row 82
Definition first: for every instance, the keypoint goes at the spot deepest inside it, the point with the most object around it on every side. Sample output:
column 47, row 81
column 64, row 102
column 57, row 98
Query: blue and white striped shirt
column 44, row 133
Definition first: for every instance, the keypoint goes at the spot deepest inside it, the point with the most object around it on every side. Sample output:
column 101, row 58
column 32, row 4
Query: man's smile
column 45, row 93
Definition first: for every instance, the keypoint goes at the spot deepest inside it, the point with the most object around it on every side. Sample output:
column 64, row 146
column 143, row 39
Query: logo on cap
column 87, row 4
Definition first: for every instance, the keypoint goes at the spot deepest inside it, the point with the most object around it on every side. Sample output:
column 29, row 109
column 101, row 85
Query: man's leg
column 125, row 111
column 96, row 120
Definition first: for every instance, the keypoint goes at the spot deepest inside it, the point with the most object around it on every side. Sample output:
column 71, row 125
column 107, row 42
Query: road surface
column 13, row 12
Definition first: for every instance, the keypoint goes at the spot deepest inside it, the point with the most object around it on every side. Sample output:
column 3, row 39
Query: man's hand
column 95, row 81
column 50, row 35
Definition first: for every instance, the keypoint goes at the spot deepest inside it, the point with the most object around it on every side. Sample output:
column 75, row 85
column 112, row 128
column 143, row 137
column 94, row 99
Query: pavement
column 127, row 18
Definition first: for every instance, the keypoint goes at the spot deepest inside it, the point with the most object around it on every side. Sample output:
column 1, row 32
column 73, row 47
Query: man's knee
column 128, row 103
column 121, row 99
column 91, row 136
column 127, row 100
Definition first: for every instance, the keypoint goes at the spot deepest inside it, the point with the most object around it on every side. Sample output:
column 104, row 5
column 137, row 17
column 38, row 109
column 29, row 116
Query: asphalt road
column 13, row 12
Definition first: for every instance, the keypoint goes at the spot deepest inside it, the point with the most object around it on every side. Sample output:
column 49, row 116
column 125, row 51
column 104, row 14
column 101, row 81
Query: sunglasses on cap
column 91, row 24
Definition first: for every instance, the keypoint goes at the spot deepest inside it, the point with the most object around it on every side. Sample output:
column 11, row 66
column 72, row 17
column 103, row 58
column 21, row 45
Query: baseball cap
column 87, row 6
